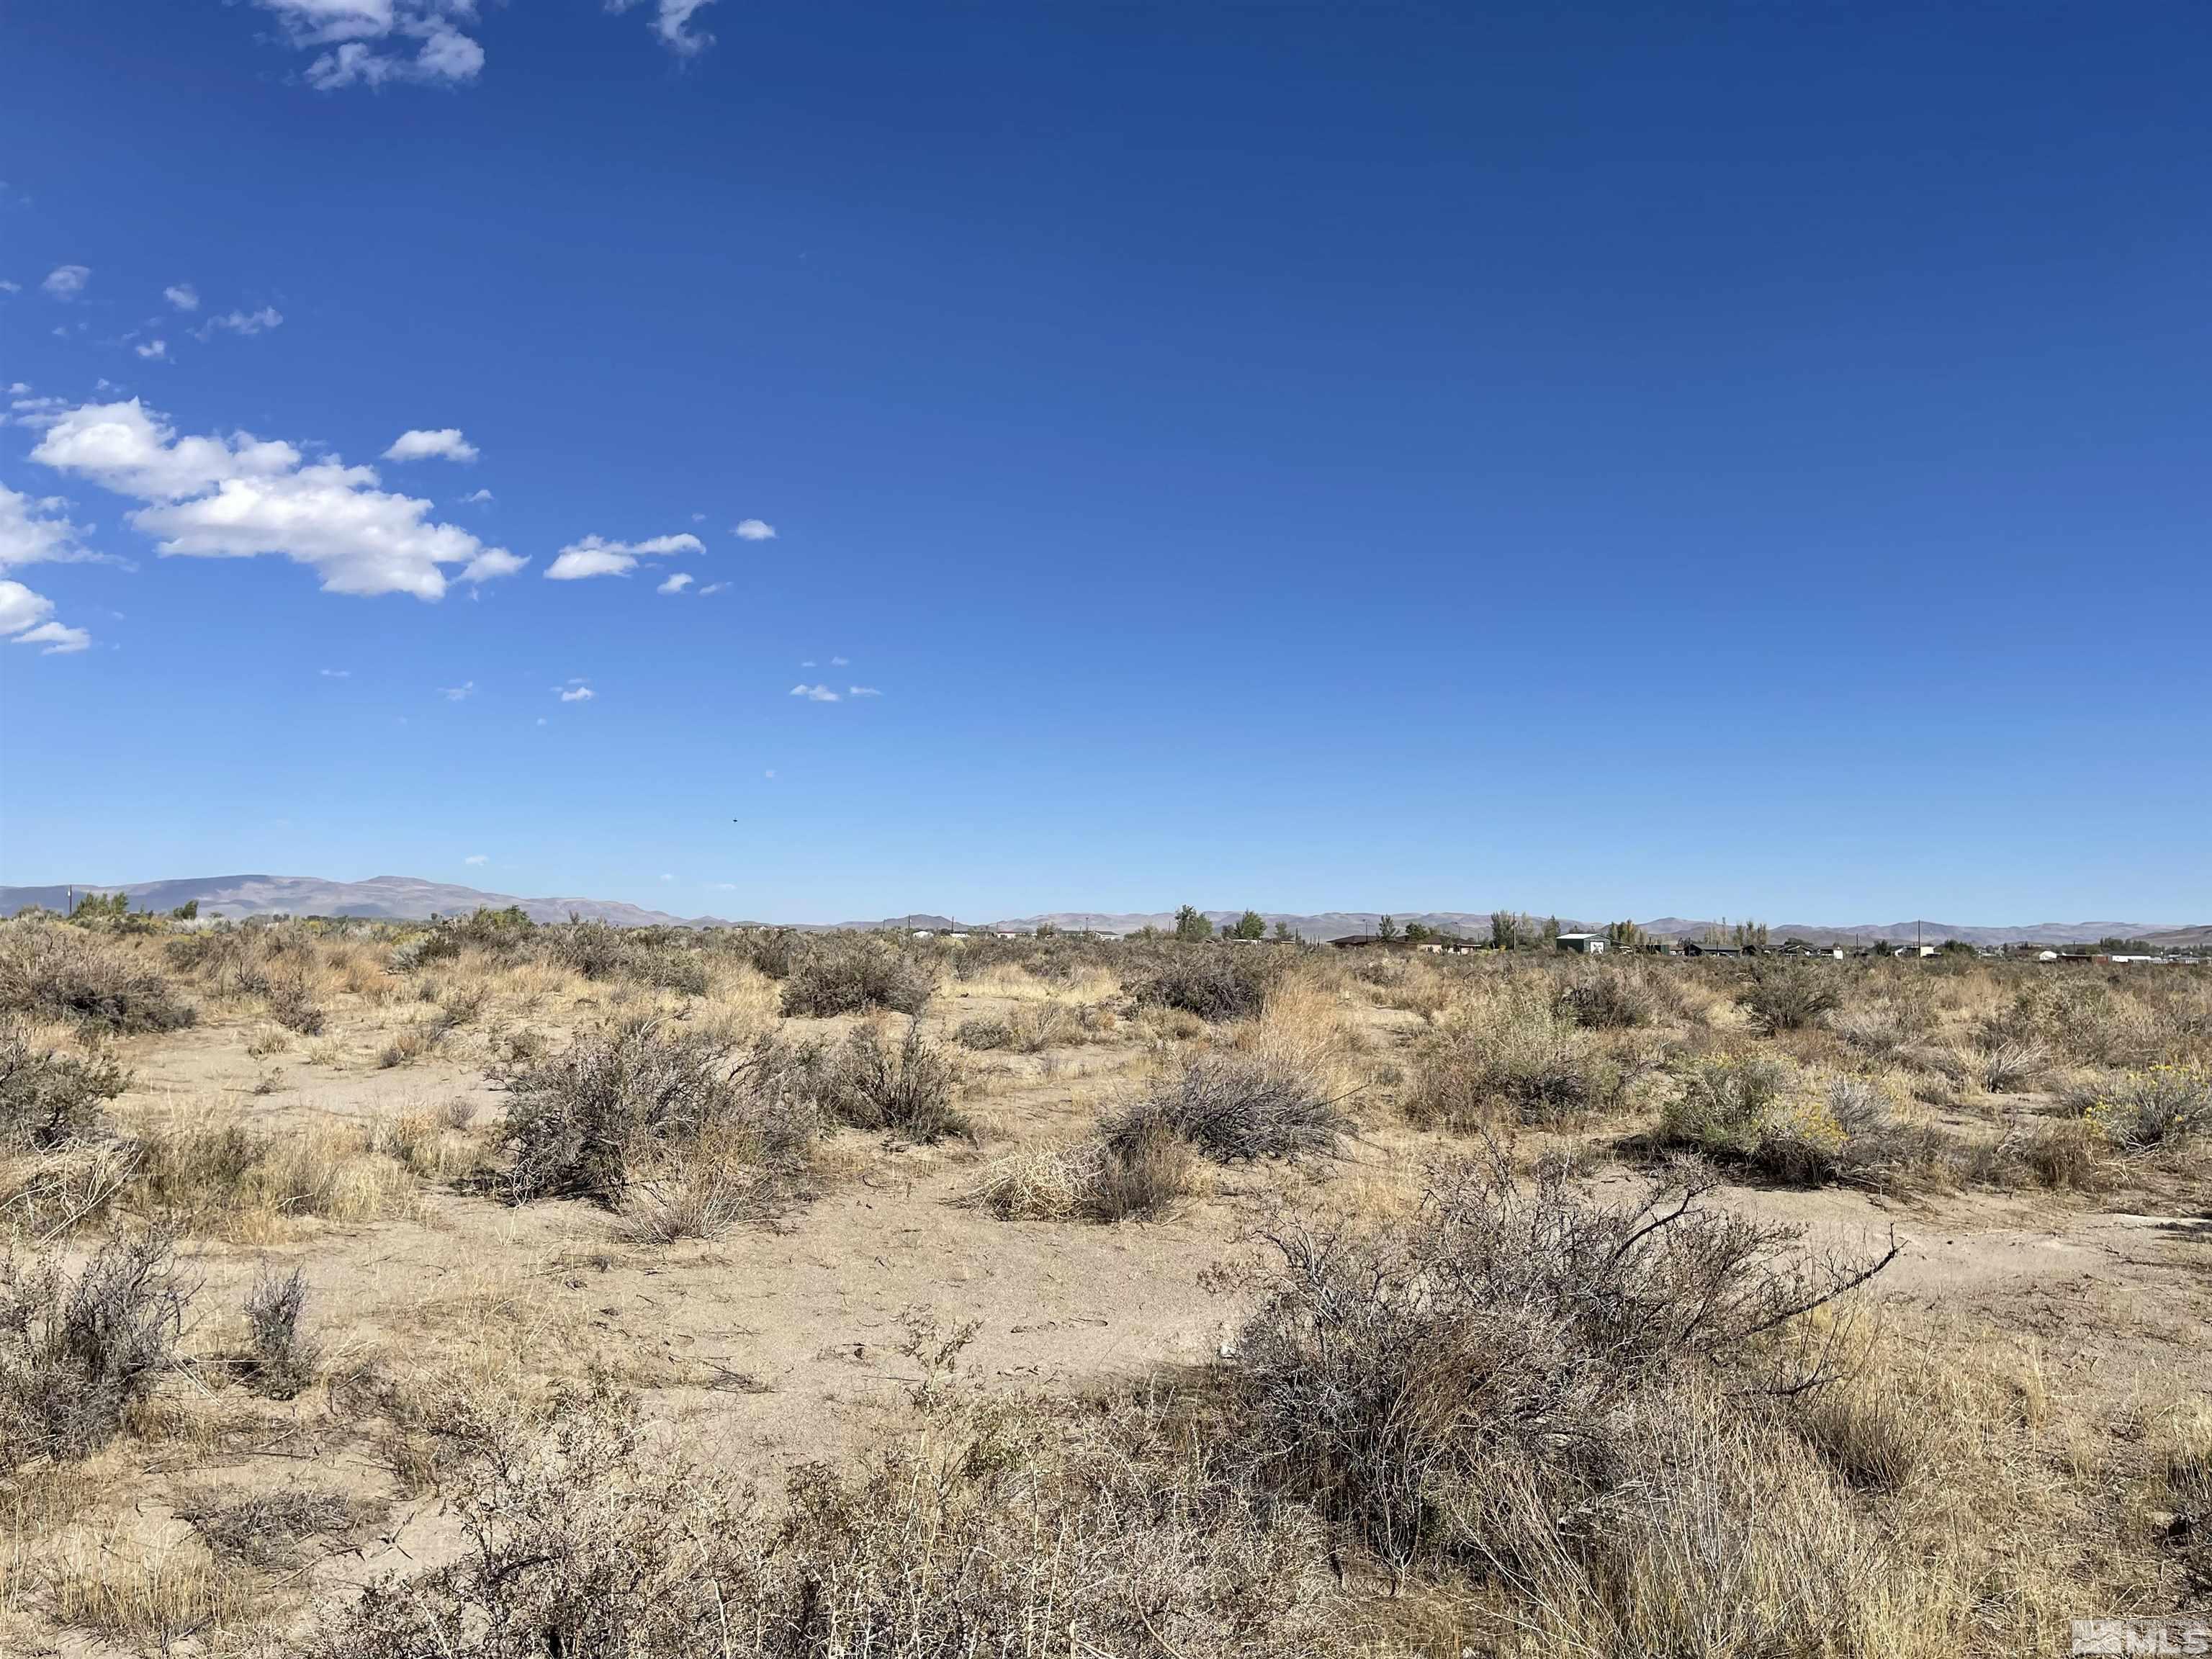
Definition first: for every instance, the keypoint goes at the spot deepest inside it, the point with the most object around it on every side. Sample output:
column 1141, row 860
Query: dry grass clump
column 51, row 970
column 1029, row 1028
column 1141, row 1173
column 266, row 1529
column 1565, row 1398
column 851, row 976
column 48, row 1098
column 584, row 1122
column 154, row 1596
column 1213, row 982
column 1514, row 1055
column 76, row 1352
column 214, row 1175
column 998, row 1528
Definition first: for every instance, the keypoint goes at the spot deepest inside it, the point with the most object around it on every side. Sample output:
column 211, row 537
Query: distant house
column 1588, row 945
column 1694, row 948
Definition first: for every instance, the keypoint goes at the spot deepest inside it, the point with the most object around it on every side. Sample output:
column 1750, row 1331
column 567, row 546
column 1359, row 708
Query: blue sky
column 1604, row 461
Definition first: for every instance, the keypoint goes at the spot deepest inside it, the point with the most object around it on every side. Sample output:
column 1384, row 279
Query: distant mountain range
column 405, row 898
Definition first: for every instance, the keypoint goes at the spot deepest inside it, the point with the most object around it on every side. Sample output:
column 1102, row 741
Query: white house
column 1588, row 944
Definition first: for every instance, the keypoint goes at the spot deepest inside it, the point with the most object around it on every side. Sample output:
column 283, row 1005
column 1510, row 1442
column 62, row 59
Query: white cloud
column 671, row 22
column 445, row 444
column 11, row 287
column 476, row 498
column 816, row 693
column 754, row 530
column 59, row 641
column 809, row 663
column 841, row 662
column 595, row 556
column 769, row 773
column 574, row 691
column 235, row 497
column 862, row 691
column 20, row 608
column 37, row 532
column 34, row 411
column 698, row 518
column 67, row 282
column 183, row 296
column 675, row 583
column 155, row 349
column 460, row 693
column 665, row 875
column 713, row 588
column 240, row 322
column 336, row 673
column 371, row 42
column 476, row 858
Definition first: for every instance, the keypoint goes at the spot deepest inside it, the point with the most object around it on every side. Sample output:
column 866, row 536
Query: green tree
column 102, row 906
column 1418, row 932
column 1046, row 929
column 1750, row 935
column 1191, row 926
column 1505, row 930
column 1624, row 936
column 1387, row 928
column 188, row 911
column 1283, row 933
column 1250, row 925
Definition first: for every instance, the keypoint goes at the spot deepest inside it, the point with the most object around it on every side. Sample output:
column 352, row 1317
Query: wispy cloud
column 574, row 691
column 336, row 673
column 371, row 42
column 675, row 583
column 445, row 444
column 816, row 693
column 476, row 498
column 713, row 588
column 476, row 858
column 862, row 691
column 59, row 641
column 154, row 350
column 465, row 689
column 754, row 530
column 841, row 662
column 183, row 296
column 671, row 22
column 240, row 322
column 67, row 282
column 595, row 556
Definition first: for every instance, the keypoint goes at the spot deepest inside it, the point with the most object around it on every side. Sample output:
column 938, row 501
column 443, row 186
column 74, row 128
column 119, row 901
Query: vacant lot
column 486, row 1289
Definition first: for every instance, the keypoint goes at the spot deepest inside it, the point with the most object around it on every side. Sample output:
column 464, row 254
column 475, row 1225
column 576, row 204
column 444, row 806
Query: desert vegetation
column 490, row 1287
